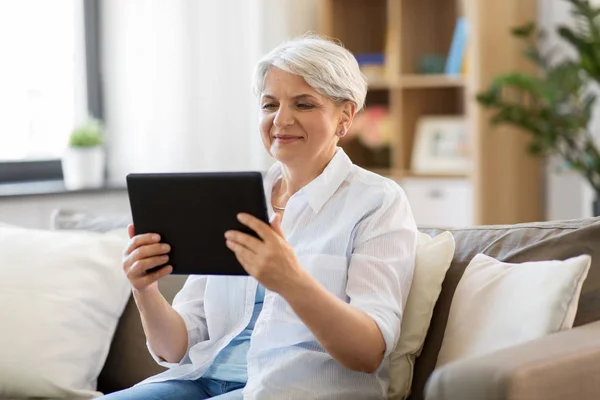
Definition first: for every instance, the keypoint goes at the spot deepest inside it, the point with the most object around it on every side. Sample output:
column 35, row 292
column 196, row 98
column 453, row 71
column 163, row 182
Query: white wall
column 568, row 194
column 285, row 19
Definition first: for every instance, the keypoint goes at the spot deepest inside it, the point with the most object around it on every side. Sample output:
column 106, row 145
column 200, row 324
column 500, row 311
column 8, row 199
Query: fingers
column 262, row 229
column 130, row 231
column 144, row 252
column 139, row 267
column 147, row 279
column 140, row 240
column 244, row 255
column 150, row 250
column 245, row 240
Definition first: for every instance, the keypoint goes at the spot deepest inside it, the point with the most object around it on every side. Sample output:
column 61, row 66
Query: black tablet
column 192, row 212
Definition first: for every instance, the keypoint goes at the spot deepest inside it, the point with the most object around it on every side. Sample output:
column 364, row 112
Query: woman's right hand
column 142, row 253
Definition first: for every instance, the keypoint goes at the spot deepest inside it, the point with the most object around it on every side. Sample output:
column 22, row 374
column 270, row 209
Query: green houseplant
column 88, row 134
column 555, row 106
column 84, row 161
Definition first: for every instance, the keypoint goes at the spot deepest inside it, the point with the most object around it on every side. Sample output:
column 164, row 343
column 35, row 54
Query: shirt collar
column 320, row 189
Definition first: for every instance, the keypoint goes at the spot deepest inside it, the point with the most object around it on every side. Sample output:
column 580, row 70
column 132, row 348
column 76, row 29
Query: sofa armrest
column 564, row 365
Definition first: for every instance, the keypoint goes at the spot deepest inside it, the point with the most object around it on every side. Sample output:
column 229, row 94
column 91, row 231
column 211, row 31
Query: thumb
column 276, row 225
column 130, row 231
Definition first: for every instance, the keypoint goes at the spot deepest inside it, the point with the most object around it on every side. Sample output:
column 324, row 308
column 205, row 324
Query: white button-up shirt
column 354, row 232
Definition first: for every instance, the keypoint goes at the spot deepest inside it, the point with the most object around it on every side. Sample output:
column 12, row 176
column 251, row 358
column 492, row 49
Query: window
column 44, row 81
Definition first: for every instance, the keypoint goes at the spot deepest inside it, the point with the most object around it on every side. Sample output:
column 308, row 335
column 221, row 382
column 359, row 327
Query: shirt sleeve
column 382, row 263
column 189, row 303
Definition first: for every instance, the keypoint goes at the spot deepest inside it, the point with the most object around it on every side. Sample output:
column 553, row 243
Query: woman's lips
column 283, row 139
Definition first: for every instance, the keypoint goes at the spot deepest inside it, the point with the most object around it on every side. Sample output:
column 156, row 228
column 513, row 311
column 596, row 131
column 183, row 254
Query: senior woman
column 320, row 312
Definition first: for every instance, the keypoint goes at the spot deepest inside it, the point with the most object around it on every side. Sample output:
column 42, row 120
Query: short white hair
column 329, row 68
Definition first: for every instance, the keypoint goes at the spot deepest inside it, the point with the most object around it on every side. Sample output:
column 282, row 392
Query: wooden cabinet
column 504, row 183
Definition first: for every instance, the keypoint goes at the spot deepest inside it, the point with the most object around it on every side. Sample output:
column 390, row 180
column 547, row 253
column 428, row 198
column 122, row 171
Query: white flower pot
column 83, row 167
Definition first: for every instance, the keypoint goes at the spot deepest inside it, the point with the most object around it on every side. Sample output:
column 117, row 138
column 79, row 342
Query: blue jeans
column 201, row 388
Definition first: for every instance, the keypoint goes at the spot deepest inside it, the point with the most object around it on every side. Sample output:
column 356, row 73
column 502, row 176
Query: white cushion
column 432, row 260
column 497, row 305
column 61, row 296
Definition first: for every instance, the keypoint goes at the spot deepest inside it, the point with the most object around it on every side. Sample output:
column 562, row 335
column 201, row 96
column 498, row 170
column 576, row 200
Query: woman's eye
column 305, row 106
column 268, row 106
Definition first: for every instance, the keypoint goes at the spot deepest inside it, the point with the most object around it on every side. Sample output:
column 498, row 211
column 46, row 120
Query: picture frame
column 441, row 146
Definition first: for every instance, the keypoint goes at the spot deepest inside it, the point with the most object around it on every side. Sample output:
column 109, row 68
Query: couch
column 565, row 365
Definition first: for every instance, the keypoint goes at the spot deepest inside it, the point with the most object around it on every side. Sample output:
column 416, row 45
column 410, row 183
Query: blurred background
column 93, row 90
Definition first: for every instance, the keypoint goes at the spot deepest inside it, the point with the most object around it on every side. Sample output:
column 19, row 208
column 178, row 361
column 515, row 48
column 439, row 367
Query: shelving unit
column 504, row 185
column 416, row 81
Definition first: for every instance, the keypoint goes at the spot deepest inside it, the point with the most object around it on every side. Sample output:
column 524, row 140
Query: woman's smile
column 287, row 139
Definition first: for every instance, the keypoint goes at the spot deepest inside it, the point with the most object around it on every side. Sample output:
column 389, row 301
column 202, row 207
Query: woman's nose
column 283, row 118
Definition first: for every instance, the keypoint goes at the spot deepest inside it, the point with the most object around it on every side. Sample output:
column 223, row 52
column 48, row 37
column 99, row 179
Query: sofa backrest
column 129, row 361
column 556, row 240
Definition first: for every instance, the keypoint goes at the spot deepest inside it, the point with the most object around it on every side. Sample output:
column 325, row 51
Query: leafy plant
column 555, row 106
column 88, row 134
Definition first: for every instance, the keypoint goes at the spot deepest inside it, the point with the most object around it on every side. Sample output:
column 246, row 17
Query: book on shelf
column 457, row 53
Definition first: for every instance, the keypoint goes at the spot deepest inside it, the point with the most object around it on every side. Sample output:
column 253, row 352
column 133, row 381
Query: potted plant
column 83, row 162
column 556, row 105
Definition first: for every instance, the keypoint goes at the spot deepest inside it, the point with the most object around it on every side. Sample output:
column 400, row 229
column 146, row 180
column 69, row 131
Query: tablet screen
column 192, row 212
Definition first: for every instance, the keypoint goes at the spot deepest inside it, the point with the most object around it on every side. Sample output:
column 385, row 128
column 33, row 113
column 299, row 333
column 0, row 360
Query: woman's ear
column 348, row 109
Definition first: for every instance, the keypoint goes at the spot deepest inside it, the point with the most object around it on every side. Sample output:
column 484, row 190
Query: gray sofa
column 560, row 366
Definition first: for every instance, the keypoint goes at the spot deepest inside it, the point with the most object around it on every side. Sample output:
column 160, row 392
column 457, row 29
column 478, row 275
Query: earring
column 341, row 133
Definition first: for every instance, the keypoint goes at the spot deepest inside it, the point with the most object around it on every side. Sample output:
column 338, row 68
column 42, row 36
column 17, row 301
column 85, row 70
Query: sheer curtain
column 177, row 85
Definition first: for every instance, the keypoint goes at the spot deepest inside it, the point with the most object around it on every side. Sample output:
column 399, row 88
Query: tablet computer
column 192, row 212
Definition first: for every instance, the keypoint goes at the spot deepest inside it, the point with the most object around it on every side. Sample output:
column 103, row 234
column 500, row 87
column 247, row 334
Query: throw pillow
column 71, row 219
column 497, row 305
column 62, row 295
column 432, row 260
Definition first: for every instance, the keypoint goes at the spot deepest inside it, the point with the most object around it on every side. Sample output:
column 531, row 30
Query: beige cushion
column 553, row 240
column 498, row 305
column 432, row 261
column 62, row 294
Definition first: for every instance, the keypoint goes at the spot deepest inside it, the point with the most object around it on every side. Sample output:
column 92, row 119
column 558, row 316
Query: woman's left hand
column 271, row 261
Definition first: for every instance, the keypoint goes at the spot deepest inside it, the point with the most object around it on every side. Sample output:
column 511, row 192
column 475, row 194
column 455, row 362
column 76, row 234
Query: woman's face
column 298, row 125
